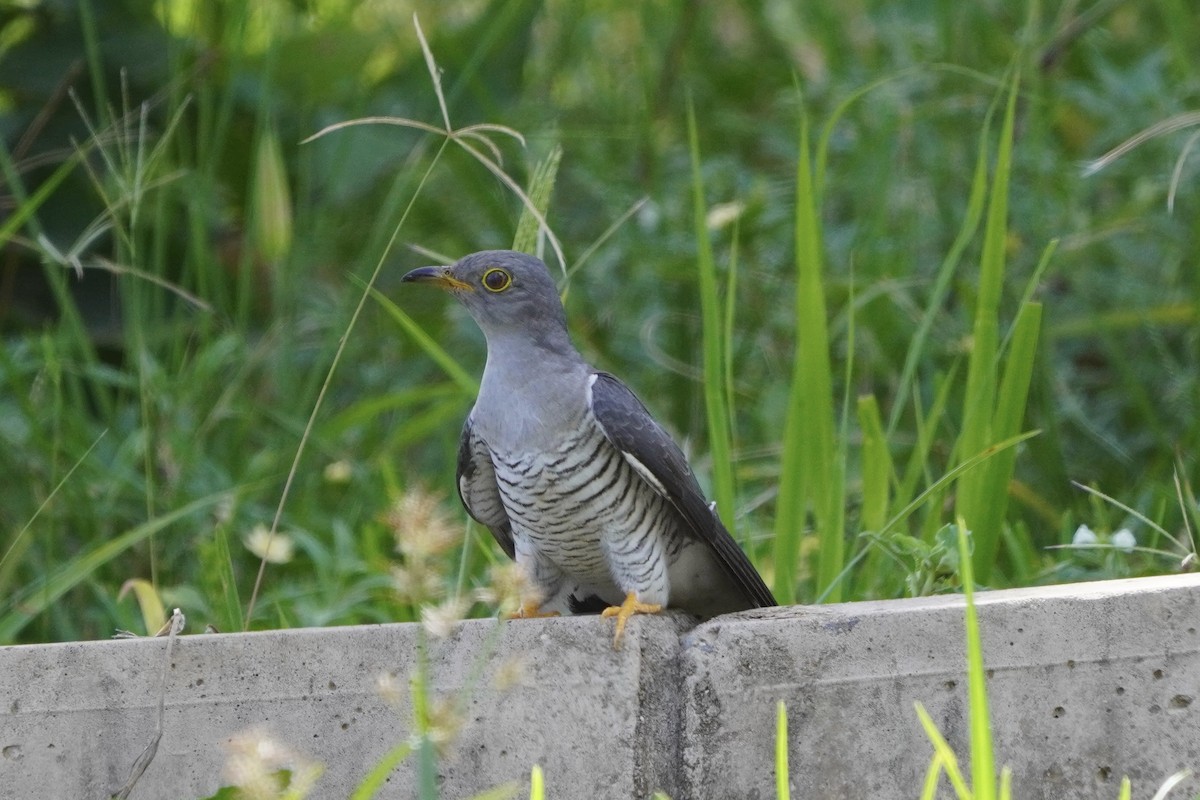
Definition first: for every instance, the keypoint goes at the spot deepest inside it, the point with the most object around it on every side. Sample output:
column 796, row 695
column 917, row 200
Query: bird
column 574, row 478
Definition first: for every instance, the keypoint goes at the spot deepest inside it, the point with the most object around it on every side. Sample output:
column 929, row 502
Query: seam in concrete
column 660, row 716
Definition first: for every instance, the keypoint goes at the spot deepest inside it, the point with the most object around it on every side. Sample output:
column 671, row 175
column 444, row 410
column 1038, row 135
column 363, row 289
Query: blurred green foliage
column 178, row 269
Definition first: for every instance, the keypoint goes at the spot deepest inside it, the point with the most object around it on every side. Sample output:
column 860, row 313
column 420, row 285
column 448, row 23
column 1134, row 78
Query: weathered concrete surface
column 73, row 717
column 1088, row 682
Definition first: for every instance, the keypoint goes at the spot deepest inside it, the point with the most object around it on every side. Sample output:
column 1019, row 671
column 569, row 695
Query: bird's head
column 508, row 293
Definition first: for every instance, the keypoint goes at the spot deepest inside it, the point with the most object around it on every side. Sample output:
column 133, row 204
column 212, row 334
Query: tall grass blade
column 932, row 774
column 419, row 689
column 377, row 777
column 1139, row 516
column 435, row 74
column 1010, row 410
column 272, row 212
column 71, row 318
column 976, row 203
column 983, row 767
column 1191, row 512
column 20, row 536
column 840, row 111
column 927, row 425
column 782, row 783
column 942, row 752
column 26, row 206
column 713, row 342
column 727, row 334
column 877, row 475
column 934, row 490
column 462, row 379
column 956, row 474
column 537, row 784
column 228, row 604
column 877, row 471
column 154, row 615
column 333, row 366
column 541, row 184
column 976, row 490
column 806, row 474
column 29, row 601
column 95, row 61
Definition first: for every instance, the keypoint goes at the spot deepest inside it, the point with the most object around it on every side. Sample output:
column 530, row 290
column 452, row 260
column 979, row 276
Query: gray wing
column 476, row 480
column 630, row 428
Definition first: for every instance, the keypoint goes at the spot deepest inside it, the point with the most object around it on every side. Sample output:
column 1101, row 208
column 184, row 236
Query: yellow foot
column 626, row 610
column 530, row 610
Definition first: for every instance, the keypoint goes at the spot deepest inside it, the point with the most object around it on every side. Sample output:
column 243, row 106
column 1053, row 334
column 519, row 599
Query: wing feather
column 655, row 456
column 476, row 483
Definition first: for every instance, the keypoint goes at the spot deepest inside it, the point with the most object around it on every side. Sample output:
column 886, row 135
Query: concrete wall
column 1087, row 682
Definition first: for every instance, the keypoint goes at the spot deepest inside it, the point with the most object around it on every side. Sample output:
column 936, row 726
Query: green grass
column 810, row 477
column 985, row 783
column 716, row 341
column 826, row 260
column 298, row 779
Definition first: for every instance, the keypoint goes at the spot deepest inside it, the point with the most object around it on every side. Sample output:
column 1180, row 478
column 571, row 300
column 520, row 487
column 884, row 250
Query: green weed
column 212, row 342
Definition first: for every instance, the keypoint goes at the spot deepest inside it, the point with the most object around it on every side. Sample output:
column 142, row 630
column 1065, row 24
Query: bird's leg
column 540, row 580
column 531, row 609
column 626, row 610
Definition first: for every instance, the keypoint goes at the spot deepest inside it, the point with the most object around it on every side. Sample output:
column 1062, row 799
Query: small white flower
column 276, row 549
column 510, row 672
column 338, row 472
column 254, row 764
column 421, row 525
column 723, row 214
column 509, row 590
column 1123, row 540
column 444, row 721
column 1083, row 536
column 441, row 620
column 390, row 689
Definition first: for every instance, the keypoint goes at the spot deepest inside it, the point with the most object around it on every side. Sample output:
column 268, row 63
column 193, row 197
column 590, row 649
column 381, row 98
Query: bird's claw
column 626, row 610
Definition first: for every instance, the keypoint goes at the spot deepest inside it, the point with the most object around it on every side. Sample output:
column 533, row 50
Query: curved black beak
column 441, row 277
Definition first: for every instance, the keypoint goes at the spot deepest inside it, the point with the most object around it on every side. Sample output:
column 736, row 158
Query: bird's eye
column 496, row 280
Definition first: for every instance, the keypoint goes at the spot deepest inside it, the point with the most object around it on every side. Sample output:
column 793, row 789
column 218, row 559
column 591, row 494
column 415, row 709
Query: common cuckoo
column 574, row 478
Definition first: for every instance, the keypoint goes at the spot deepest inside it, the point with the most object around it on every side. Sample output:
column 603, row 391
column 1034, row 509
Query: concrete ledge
column 76, row 716
column 1087, row 682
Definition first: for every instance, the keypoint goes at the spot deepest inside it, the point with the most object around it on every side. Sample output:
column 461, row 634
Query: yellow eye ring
column 496, row 280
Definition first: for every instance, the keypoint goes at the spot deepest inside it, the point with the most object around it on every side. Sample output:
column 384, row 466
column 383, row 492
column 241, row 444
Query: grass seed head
column 508, row 589
column 421, row 526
